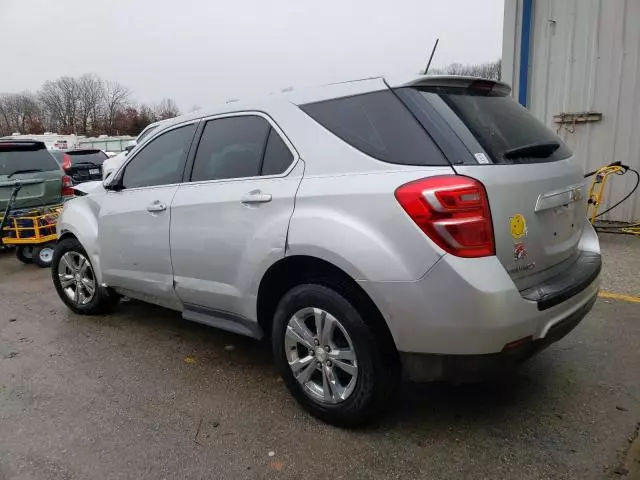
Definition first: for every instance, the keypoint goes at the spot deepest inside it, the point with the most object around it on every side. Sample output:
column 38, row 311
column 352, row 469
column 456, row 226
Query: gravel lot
column 144, row 394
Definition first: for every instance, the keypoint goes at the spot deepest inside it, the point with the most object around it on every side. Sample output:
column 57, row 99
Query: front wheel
column 329, row 358
column 75, row 280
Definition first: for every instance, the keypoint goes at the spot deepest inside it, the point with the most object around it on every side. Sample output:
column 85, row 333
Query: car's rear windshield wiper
column 28, row 170
column 534, row 150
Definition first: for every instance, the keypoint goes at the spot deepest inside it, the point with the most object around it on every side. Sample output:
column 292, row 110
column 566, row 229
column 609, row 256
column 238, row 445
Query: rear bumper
column 469, row 307
column 428, row 367
column 577, row 276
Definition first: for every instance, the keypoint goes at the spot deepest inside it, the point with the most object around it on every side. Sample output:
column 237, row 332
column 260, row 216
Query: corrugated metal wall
column 585, row 56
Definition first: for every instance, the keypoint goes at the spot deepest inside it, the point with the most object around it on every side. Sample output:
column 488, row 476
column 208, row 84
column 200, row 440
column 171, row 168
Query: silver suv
column 431, row 227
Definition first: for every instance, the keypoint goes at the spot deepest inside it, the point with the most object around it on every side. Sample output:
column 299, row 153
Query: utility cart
column 32, row 231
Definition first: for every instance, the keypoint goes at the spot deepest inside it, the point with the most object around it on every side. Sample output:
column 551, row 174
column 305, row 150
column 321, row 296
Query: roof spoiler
column 452, row 81
column 24, row 145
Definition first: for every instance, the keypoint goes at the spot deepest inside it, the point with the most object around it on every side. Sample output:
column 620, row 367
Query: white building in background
column 576, row 65
column 53, row 141
column 106, row 143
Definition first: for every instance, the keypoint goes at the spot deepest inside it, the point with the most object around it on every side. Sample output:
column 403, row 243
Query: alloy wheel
column 77, row 278
column 321, row 355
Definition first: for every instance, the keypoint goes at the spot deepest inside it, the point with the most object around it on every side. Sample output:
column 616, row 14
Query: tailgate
column 538, row 214
column 533, row 183
column 85, row 172
column 45, row 193
column 23, row 160
column 86, row 165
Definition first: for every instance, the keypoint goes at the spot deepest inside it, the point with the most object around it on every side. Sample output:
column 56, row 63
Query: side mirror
column 111, row 183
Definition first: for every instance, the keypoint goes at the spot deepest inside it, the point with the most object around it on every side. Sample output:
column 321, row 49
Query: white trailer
column 53, row 141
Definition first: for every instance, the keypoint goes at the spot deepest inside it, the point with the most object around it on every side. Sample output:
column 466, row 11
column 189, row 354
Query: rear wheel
column 24, row 253
column 329, row 358
column 43, row 255
column 75, row 280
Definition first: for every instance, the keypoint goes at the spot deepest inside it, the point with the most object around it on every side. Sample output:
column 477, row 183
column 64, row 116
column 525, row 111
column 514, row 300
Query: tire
column 43, row 255
column 69, row 259
column 24, row 253
column 376, row 377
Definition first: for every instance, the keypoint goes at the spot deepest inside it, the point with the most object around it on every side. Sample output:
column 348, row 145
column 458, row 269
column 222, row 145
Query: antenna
column 435, row 45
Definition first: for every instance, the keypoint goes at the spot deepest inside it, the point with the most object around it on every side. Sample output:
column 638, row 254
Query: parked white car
column 114, row 162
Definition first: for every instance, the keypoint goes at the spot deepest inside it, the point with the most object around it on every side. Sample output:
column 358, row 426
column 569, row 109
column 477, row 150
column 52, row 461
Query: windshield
column 502, row 126
column 12, row 160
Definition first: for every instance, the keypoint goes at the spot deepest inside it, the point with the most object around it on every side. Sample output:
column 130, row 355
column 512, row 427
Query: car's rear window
column 95, row 157
column 58, row 155
column 21, row 158
column 500, row 124
column 379, row 125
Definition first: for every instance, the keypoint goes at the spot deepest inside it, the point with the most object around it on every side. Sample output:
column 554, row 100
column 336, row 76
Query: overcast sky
column 203, row 51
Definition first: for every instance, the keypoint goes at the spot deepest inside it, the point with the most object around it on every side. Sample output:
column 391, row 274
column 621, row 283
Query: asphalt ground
column 144, row 394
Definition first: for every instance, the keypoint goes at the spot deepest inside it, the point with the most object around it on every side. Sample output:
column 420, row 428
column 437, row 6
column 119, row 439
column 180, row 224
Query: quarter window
column 379, row 125
column 277, row 156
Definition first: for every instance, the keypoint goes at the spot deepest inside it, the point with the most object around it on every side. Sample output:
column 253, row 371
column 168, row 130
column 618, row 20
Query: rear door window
column 379, row 125
column 505, row 130
column 230, row 147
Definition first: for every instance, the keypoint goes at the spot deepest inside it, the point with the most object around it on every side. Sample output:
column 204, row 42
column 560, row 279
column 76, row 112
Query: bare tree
column 91, row 95
column 490, row 70
column 167, row 108
column 53, row 103
column 19, row 112
column 5, row 115
column 82, row 105
column 70, row 90
column 116, row 99
column 61, row 99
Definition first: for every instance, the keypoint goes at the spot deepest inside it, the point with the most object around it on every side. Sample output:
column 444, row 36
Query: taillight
column 66, row 162
column 67, row 187
column 453, row 211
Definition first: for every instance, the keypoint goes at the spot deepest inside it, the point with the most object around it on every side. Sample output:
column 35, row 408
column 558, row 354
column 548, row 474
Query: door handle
column 256, row 196
column 157, row 206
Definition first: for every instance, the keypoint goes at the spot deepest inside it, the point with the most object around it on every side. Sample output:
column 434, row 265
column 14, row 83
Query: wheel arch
column 79, row 221
column 66, row 234
column 294, row 270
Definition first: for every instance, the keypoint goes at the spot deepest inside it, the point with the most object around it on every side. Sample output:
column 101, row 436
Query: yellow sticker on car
column 518, row 226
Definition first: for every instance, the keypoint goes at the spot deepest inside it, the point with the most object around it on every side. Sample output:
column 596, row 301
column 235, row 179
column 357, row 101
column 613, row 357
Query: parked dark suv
column 83, row 165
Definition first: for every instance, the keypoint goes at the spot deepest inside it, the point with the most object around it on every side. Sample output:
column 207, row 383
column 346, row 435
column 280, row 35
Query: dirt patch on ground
column 632, row 462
